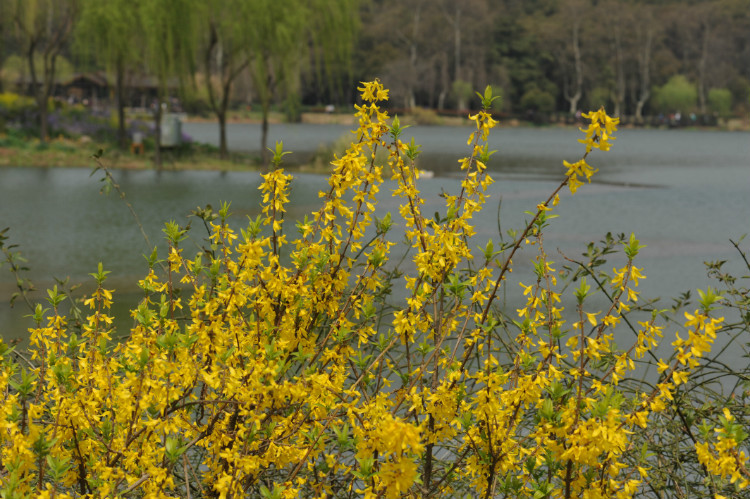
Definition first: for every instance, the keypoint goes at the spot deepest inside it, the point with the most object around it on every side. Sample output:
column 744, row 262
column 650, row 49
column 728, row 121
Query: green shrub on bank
column 677, row 95
column 278, row 361
column 720, row 101
column 14, row 108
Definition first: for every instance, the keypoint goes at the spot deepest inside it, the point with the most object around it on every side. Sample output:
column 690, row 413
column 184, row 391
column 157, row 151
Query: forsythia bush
column 14, row 103
column 279, row 367
column 13, row 107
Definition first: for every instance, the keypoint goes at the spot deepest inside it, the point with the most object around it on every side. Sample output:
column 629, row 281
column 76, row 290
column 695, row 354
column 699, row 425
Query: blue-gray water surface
column 683, row 193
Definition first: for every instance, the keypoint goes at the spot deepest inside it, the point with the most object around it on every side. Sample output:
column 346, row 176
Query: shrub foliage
column 307, row 362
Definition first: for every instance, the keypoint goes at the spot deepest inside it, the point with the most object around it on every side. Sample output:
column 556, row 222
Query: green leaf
column 632, row 247
column 278, row 153
column 708, row 299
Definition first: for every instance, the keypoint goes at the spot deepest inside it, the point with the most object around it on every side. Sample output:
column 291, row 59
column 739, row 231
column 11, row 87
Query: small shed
column 91, row 86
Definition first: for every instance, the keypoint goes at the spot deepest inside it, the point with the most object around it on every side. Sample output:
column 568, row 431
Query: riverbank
column 431, row 117
column 67, row 153
column 324, row 134
column 418, row 117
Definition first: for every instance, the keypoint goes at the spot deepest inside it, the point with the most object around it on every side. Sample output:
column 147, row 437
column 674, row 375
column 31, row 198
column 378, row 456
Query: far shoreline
column 62, row 152
column 435, row 119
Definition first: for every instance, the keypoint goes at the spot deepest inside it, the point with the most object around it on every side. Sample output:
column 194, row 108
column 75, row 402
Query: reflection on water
column 683, row 193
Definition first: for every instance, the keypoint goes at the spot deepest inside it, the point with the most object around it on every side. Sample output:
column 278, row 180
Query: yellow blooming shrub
column 278, row 362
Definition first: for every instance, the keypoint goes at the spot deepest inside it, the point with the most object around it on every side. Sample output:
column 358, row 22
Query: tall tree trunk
column 120, row 96
column 3, row 13
column 411, row 100
column 218, row 108
column 37, row 88
column 57, row 28
column 223, row 149
column 619, row 72
column 577, row 69
column 50, row 58
column 43, row 118
column 457, row 75
column 265, row 95
column 222, row 113
column 702, row 69
column 444, row 81
column 264, row 156
column 228, row 69
column 644, row 64
column 457, row 42
column 157, row 137
column 454, row 21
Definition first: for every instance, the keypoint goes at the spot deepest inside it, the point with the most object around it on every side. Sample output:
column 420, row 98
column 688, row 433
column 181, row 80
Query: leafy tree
column 464, row 21
column 16, row 68
column 109, row 30
column 277, row 43
column 403, row 26
column 518, row 54
column 537, row 99
column 463, row 91
column 44, row 28
column 568, row 39
column 169, row 49
column 274, row 46
column 740, row 90
column 700, row 38
column 223, row 55
column 720, row 101
column 678, row 94
column 304, row 51
column 273, row 42
column 616, row 17
column 335, row 26
column 4, row 28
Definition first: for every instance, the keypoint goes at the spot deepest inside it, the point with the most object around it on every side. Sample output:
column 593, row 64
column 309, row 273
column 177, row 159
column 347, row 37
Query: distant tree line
column 635, row 57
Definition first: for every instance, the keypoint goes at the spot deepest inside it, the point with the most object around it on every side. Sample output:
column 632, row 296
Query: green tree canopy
column 110, row 32
column 169, row 40
column 44, row 28
column 678, row 94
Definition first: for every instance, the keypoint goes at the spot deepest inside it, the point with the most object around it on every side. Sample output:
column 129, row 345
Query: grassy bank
column 73, row 153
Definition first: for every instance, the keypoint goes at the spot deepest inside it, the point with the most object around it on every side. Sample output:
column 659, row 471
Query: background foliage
column 581, row 53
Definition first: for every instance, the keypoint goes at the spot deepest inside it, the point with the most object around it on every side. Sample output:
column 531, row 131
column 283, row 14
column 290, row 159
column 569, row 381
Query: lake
column 683, row 192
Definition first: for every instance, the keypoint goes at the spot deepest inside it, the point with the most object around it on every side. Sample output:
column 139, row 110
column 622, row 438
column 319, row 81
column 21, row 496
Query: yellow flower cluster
column 600, row 130
column 598, row 136
column 272, row 366
column 723, row 458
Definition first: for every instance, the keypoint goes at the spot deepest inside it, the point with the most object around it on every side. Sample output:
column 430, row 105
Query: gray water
column 683, row 193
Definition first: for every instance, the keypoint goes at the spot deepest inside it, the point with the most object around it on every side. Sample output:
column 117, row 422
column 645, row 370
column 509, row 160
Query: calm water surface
column 684, row 194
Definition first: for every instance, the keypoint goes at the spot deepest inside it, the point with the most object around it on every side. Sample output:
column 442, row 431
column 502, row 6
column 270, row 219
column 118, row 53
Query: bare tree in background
column 644, row 34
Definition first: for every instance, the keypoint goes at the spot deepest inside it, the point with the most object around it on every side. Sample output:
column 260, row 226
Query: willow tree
column 169, row 41
column 110, row 31
column 274, row 45
column 223, row 55
column 334, row 26
column 4, row 29
column 279, row 42
column 44, row 29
